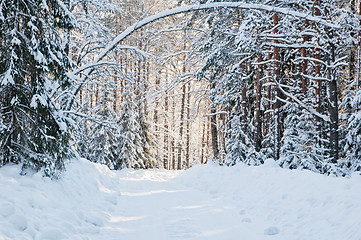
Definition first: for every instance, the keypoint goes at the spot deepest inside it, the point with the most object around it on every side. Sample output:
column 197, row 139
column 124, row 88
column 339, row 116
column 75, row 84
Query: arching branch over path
column 199, row 7
column 190, row 8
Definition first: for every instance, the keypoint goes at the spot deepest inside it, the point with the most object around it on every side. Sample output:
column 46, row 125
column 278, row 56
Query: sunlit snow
column 204, row 202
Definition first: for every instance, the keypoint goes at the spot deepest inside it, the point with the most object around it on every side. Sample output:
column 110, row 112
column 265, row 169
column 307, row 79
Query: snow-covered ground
column 205, row 202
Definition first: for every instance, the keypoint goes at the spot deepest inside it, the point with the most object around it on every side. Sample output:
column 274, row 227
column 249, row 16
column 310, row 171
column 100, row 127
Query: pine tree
column 103, row 134
column 33, row 65
column 240, row 146
column 353, row 140
column 132, row 140
column 292, row 141
column 297, row 150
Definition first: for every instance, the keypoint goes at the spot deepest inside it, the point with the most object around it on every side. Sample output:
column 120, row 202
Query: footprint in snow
column 19, row 222
column 272, row 231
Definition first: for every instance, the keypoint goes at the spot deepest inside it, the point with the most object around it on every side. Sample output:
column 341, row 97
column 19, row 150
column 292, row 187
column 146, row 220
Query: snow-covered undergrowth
column 205, row 202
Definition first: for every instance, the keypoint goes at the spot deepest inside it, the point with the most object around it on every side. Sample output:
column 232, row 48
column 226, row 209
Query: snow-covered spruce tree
column 352, row 147
column 334, row 44
column 99, row 133
column 133, row 147
column 33, row 66
column 297, row 149
column 103, row 134
column 92, row 96
column 240, row 146
column 292, row 142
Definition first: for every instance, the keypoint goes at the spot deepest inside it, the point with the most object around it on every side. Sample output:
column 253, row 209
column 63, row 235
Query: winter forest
column 134, row 84
column 180, row 119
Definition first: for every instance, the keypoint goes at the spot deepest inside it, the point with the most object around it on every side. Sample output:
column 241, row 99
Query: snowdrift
column 33, row 207
column 266, row 202
column 291, row 204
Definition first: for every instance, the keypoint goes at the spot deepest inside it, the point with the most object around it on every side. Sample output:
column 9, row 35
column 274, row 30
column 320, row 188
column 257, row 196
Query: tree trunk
column 244, row 109
column 358, row 83
column 276, row 57
column 353, row 47
column 203, row 142
column 214, row 133
column 165, row 137
column 208, row 137
column 188, row 134
column 182, row 113
column 115, row 93
column 121, row 87
column 91, row 95
column 317, row 57
column 334, row 138
column 166, row 134
column 258, row 117
column 304, row 62
column 155, row 116
column 181, row 122
column 81, row 97
column 318, row 96
column 268, row 115
column 67, row 32
column 173, row 138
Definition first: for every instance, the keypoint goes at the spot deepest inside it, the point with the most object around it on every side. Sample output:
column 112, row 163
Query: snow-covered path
column 154, row 207
column 206, row 202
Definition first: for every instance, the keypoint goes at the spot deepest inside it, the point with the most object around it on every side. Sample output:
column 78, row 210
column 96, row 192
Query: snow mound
column 39, row 208
column 303, row 204
column 205, row 202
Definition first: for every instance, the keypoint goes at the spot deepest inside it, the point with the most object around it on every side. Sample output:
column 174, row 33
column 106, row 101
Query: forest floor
column 90, row 202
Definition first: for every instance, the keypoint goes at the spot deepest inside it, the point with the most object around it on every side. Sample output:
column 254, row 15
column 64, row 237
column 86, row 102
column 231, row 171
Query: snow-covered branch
column 199, row 7
column 309, row 109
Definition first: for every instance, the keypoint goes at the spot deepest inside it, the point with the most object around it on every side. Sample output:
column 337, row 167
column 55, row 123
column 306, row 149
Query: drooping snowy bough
column 190, row 8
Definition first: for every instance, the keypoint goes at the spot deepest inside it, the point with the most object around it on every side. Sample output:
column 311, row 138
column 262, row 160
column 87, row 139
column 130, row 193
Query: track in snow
column 152, row 206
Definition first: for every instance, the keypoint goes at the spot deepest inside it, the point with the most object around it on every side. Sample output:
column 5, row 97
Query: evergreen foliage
column 275, row 82
column 297, row 149
column 240, row 147
column 33, row 66
column 299, row 125
column 133, row 140
column 103, row 135
column 353, row 137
